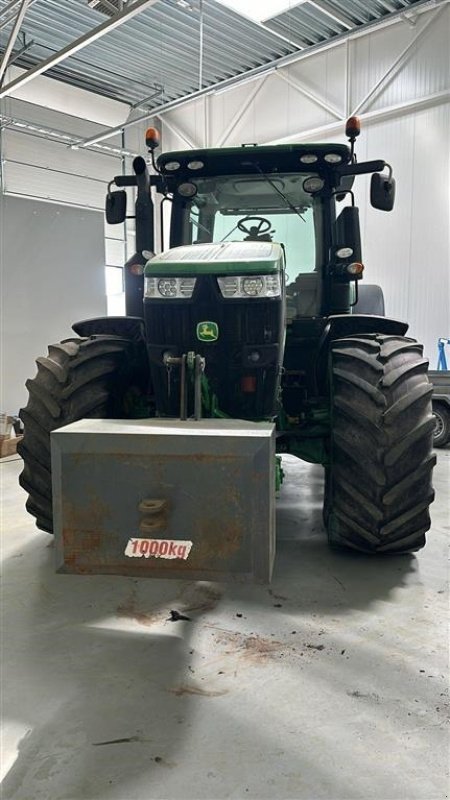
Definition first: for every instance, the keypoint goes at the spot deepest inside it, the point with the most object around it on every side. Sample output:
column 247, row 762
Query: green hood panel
column 218, row 258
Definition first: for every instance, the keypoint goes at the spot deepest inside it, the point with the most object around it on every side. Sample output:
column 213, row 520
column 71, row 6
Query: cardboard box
column 5, row 426
column 8, row 445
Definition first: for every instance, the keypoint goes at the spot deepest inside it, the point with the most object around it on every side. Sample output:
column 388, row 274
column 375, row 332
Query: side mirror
column 347, row 233
column 116, row 207
column 382, row 191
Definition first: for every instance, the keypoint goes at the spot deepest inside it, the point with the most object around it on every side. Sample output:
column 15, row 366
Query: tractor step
column 165, row 498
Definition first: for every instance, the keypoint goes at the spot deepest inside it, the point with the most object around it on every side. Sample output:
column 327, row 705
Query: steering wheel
column 263, row 226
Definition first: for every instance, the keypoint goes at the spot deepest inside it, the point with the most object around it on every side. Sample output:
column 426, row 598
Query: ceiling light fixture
column 261, row 10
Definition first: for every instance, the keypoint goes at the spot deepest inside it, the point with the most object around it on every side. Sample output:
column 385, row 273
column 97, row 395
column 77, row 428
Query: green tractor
column 255, row 311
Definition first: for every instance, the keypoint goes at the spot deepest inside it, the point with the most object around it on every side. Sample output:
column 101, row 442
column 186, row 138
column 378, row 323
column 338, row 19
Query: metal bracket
column 154, row 515
column 188, row 363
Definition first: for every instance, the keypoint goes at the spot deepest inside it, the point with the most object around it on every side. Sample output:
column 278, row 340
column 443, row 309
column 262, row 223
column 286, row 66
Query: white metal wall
column 397, row 78
column 40, row 168
column 34, row 166
column 52, row 269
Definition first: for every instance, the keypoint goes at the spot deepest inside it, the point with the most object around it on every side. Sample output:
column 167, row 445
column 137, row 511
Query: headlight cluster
column 231, row 286
column 169, row 288
column 238, row 286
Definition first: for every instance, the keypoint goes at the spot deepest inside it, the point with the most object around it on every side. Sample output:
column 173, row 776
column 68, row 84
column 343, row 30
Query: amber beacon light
column 152, row 138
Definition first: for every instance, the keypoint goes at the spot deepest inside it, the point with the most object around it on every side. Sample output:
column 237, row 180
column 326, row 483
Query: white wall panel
column 426, row 68
column 50, row 93
column 429, row 285
column 37, row 166
column 26, row 180
column 52, row 155
column 322, row 74
column 223, row 107
column 278, row 107
column 192, row 124
column 372, row 55
column 78, row 125
column 52, row 264
column 115, row 252
column 114, row 231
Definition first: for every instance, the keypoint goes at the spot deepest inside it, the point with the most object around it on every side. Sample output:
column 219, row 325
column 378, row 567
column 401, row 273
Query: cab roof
column 251, row 159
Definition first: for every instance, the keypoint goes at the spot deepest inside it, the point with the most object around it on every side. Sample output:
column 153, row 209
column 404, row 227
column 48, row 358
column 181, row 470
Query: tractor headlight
column 169, row 288
column 254, row 286
column 244, row 286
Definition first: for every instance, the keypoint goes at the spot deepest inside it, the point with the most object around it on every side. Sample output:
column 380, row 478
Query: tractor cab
column 255, row 242
column 281, row 194
column 260, row 237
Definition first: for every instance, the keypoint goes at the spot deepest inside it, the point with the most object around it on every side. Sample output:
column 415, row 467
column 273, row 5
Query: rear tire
column 79, row 378
column 441, row 433
column 379, row 480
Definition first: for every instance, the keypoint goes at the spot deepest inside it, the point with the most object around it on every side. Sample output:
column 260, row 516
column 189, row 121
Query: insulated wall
column 396, row 77
column 37, row 161
column 36, row 165
column 52, row 268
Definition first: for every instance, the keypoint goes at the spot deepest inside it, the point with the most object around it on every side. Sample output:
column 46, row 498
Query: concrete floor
column 329, row 684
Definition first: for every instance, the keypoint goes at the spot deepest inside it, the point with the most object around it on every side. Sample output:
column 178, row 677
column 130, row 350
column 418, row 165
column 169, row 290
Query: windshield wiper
column 199, row 224
column 229, row 233
column 286, row 199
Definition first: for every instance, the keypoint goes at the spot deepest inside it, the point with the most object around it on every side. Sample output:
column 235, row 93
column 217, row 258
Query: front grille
column 253, row 321
column 243, row 324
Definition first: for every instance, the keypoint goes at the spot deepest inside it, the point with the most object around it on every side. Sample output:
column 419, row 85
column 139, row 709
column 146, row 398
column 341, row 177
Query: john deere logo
column 207, row 331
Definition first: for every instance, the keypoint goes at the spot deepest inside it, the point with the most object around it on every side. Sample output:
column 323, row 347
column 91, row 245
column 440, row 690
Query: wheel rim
column 439, row 425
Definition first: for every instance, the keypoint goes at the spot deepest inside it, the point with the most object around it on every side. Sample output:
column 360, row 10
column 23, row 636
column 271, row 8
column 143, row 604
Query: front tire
column 80, row 378
column 379, row 480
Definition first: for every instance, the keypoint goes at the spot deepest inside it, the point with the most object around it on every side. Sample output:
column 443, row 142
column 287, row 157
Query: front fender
column 341, row 325
column 125, row 327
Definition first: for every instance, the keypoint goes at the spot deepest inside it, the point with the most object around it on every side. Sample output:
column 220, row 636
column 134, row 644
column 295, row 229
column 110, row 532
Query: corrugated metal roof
column 154, row 58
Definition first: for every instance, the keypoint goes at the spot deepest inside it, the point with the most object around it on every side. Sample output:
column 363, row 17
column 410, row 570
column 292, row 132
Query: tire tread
column 381, row 445
column 79, row 378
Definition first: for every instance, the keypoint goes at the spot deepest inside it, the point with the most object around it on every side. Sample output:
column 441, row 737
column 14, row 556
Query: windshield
column 256, row 208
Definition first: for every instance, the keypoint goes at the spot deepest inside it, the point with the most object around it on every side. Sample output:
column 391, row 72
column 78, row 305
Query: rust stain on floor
column 193, row 597
column 187, row 688
column 130, row 610
column 251, row 648
column 200, row 597
column 277, row 596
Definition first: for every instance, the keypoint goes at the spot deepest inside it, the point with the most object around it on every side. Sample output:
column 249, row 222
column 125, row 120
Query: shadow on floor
column 315, row 576
column 111, row 690
column 105, row 683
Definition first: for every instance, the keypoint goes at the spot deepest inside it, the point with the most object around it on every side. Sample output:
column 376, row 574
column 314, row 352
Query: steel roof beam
column 241, row 111
column 228, row 83
column 387, row 76
column 179, row 133
column 8, row 8
column 310, row 95
column 88, row 38
column 330, row 11
column 7, row 13
column 387, row 5
column 19, row 53
column 12, row 37
column 367, row 117
column 235, row 45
